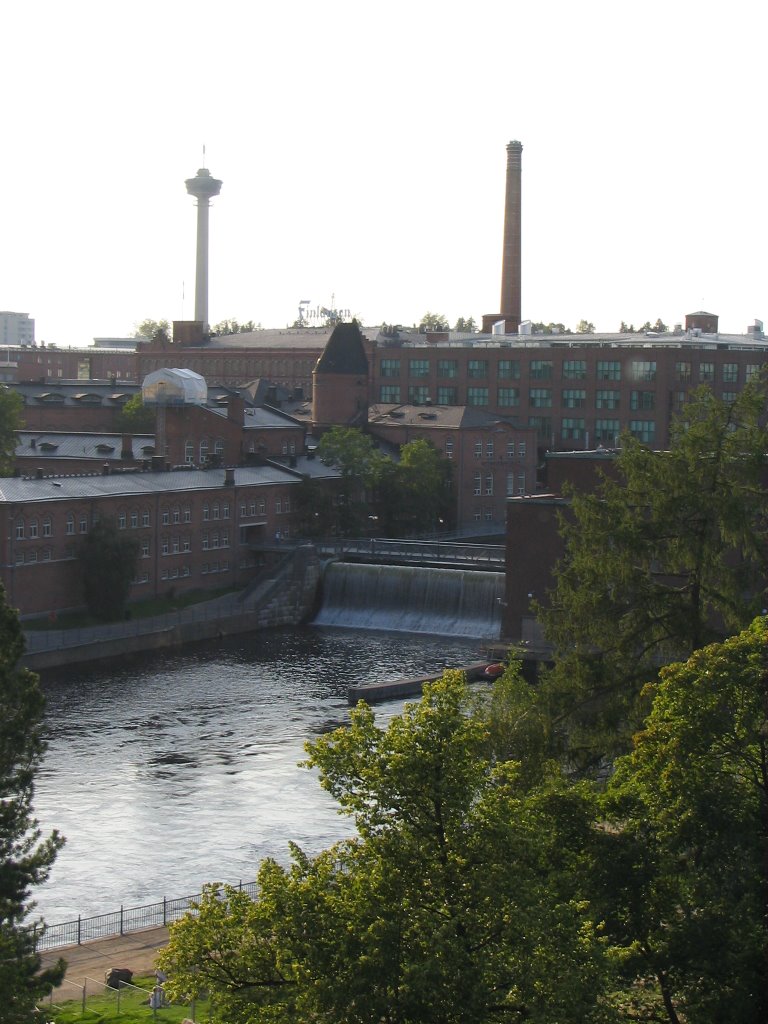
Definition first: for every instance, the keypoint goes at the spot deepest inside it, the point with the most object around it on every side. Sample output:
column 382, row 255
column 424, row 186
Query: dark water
column 171, row 771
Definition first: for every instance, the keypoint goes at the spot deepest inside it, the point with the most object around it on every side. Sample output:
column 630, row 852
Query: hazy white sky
column 362, row 149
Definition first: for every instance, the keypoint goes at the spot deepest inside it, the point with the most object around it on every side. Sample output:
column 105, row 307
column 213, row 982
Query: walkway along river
column 180, row 768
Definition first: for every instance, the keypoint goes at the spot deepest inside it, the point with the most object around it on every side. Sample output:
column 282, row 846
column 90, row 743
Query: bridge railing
column 471, row 555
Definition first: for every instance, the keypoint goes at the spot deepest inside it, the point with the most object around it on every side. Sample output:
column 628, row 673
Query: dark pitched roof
column 344, row 352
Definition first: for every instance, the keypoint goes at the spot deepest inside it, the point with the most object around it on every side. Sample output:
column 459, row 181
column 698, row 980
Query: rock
column 117, row 976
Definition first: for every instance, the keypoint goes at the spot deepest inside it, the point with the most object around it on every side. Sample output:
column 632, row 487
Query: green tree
column 11, row 410
column 433, row 322
column 25, row 856
column 468, row 325
column 415, row 494
column 550, row 328
column 685, row 868
column 149, row 328
column 458, row 900
column 667, row 555
column 233, row 327
column 107, row 565
column 135, row 417
column 585, row 327
column 660, row 327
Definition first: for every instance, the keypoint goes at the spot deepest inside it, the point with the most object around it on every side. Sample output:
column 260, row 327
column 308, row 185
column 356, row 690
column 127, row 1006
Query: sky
column 362, row 149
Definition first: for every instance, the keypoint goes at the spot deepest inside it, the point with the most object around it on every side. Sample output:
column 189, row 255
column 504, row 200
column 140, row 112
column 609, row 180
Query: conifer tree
column 26, row 856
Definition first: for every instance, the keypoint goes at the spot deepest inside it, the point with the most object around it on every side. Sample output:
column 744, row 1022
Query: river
column 178, row 769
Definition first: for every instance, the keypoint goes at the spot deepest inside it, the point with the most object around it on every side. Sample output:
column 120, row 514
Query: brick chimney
column 511, row 266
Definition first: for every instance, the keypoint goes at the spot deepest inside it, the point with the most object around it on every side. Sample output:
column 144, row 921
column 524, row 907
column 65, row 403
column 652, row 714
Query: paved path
column 137, row 951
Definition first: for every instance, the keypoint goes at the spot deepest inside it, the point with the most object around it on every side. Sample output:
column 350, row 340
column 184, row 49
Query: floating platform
column 376, row 693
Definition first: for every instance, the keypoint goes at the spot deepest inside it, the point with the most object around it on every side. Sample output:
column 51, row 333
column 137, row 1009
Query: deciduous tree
column 685, row 870
column 108, row 565
column 457, row 902
column 149, row 328
column 135, row 417
column 433, row 322
column 666, row 556
column 11, row 408
column 26, row 856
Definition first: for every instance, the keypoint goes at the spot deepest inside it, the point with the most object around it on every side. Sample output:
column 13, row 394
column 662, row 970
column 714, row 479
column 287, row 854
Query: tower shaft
column 203, row 187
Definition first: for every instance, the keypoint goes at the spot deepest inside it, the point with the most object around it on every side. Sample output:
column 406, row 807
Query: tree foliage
column 467, row 325
column 233, row 327
column 11, row 411
column 459, row 900
column 25, row 856
column 149, row 328
column 108, row 566
column 415, row 494
column 667, row 555
column 135, row 417
column 686, row 864
column 433, row 322
column 585, row 327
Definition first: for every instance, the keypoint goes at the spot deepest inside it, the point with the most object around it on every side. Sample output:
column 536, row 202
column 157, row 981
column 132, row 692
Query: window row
column 490, row 449
column 203, row 450
column 570, row 369
column 483, row 484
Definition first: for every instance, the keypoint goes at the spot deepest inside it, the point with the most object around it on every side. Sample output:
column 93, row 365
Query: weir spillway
column 442, row 602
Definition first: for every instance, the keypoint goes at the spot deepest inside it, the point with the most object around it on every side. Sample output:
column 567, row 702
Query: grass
column 140, row 610
column 128, row 1006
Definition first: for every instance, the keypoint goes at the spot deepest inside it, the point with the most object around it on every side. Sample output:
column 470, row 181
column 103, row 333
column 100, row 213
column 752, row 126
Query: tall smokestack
column 511, row 267
column 511, row 261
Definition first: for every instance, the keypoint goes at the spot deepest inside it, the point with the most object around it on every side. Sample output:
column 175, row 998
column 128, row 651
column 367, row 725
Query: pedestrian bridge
column 385, row 551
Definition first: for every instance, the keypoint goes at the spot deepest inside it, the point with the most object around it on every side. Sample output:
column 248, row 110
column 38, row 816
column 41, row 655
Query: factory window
column 176, row 545
column 203, row 451
column 145, row 549
column 478, row 483
column 390, row 367
column 607, row 432
column 489, row 484
column 206, row 514
column 540, row 398
column 166, row 517
column 683, row 371
column 608, row 369
column 729, row 397
column 477, row 396
column 70, row 524
column 751, row 371
column 572, row 429
column 225, row 510
column 218, row 447
column 418, row 394
column 165, row 546
column 225, row 538
column 33, row 530
column 642, row 400
column 19, row 529
column 678, row 399
column 279, row 506
column 32, row 555
column 447, row 367
column 507, row 397
column 186, row 544
column 643, row 430
column 447, row 395
column 606, row 399
column 390, row 393
column 418, row 367
column 521, row 450
column 574, row 398
column 215, row 540
column 644, row 369
column 489, row 449
column 216, row 511
column 477, row 368
column 47, row 555
column 262, row 507
column 510, row 484
column 510, row 449
column 187, row 514
column 47, row 527
column 509, row 369
column 574, row 369
column 706, row 372
column 730, row 373
column 145, row 517
column 449, row 448
column 478, row 449
column 134, row 520
column 541, row 369
column 189, row 452
column 177, row 515
column 83, row 524
column 542, row 425
column 206, row 542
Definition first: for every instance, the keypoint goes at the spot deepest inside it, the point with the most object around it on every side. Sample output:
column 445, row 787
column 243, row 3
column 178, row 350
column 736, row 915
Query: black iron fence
column 124, row 920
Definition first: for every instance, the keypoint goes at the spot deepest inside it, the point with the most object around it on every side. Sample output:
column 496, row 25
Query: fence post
column 79, row 936
column 164, row 912
column 121, row 920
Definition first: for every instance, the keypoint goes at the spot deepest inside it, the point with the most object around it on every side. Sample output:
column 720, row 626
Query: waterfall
column 443, row 602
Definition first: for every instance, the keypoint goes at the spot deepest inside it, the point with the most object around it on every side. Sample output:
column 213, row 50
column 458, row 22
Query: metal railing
column 477, row 556
column 124, row 920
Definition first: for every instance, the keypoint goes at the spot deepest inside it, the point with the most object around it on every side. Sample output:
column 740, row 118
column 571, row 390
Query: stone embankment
column 284, row 595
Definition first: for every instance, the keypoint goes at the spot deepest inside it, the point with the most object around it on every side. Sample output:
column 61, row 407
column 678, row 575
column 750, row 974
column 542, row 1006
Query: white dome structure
column 174, row 387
